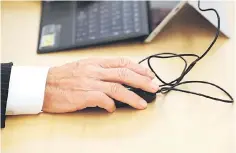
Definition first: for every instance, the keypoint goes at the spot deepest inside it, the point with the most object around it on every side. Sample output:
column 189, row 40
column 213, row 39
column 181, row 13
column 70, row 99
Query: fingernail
column 143, row 103
column 154, row 86
column 151, row 74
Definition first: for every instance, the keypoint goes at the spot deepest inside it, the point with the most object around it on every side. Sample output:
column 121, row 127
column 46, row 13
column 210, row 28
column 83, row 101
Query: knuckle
column 57, row 82
column 82, row 63
column 114, row 88
column 77, row 64
column 65, row 94
column 147, row 80
column 100, row 73
column 74, row 68
column 74, row 72
column 95, row 72
column 146, row 70
column 98, row 94
column 87, row 99
column 144, row 82
column 123, row 73
column 123, row 61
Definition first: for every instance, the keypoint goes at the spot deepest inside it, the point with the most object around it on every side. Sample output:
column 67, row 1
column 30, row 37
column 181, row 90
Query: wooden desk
column 176, row 123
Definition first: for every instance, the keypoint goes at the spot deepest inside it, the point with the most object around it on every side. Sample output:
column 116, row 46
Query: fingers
column 126, row 76
column 120, row 93
column 97, row 98
column 126, row 63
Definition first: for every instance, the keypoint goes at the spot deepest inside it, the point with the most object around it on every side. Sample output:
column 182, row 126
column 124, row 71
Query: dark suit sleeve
column 5, row 78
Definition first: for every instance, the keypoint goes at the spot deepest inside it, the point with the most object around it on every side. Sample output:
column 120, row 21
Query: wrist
column 47, row 93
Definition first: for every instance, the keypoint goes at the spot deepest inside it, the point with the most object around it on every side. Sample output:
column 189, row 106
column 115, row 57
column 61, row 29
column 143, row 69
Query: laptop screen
column 159, row 10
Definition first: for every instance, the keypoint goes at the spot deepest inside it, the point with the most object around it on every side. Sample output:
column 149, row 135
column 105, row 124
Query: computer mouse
column 147, row 96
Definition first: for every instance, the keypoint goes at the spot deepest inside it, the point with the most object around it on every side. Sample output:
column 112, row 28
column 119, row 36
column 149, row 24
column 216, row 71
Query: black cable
column 167, row 87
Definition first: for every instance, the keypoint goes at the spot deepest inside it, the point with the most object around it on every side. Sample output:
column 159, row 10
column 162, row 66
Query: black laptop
column 69, row 25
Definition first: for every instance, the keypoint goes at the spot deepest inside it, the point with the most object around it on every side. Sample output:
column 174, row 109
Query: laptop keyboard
column 107, row 18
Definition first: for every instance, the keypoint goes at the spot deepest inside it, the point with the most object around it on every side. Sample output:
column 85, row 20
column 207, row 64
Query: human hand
column 94, row 82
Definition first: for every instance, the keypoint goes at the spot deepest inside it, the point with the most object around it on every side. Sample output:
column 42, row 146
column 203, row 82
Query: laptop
column 67, row 25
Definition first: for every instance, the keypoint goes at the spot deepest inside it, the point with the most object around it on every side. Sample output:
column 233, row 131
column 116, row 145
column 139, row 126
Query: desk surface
column 174, row 123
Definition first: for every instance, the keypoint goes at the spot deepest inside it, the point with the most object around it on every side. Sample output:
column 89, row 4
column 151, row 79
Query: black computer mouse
column 147, row 96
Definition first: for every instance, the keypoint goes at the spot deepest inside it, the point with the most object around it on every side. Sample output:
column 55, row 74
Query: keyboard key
column 136, row 15
column 136, row 10
column 137, row 29
column 84, row 34
column 79, row 39
column 116, row 28
column 81, row 15
column 127, row 31
column 128, row 23
column 136, row 21
column 92, row 37
column 136, row 4
column 116, row 33
column 127, row 4
column 104, row 31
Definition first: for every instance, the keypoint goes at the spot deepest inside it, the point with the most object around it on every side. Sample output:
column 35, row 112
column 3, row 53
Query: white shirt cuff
column 26, row 90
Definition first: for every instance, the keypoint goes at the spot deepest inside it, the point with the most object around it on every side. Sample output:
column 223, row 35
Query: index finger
column 122, row 62
column 120, row 93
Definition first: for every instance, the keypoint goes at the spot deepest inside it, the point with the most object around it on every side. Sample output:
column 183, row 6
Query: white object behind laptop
column 210, row 16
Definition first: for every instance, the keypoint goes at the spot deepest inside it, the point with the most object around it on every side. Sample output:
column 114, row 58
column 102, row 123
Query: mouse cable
column 166, row 87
